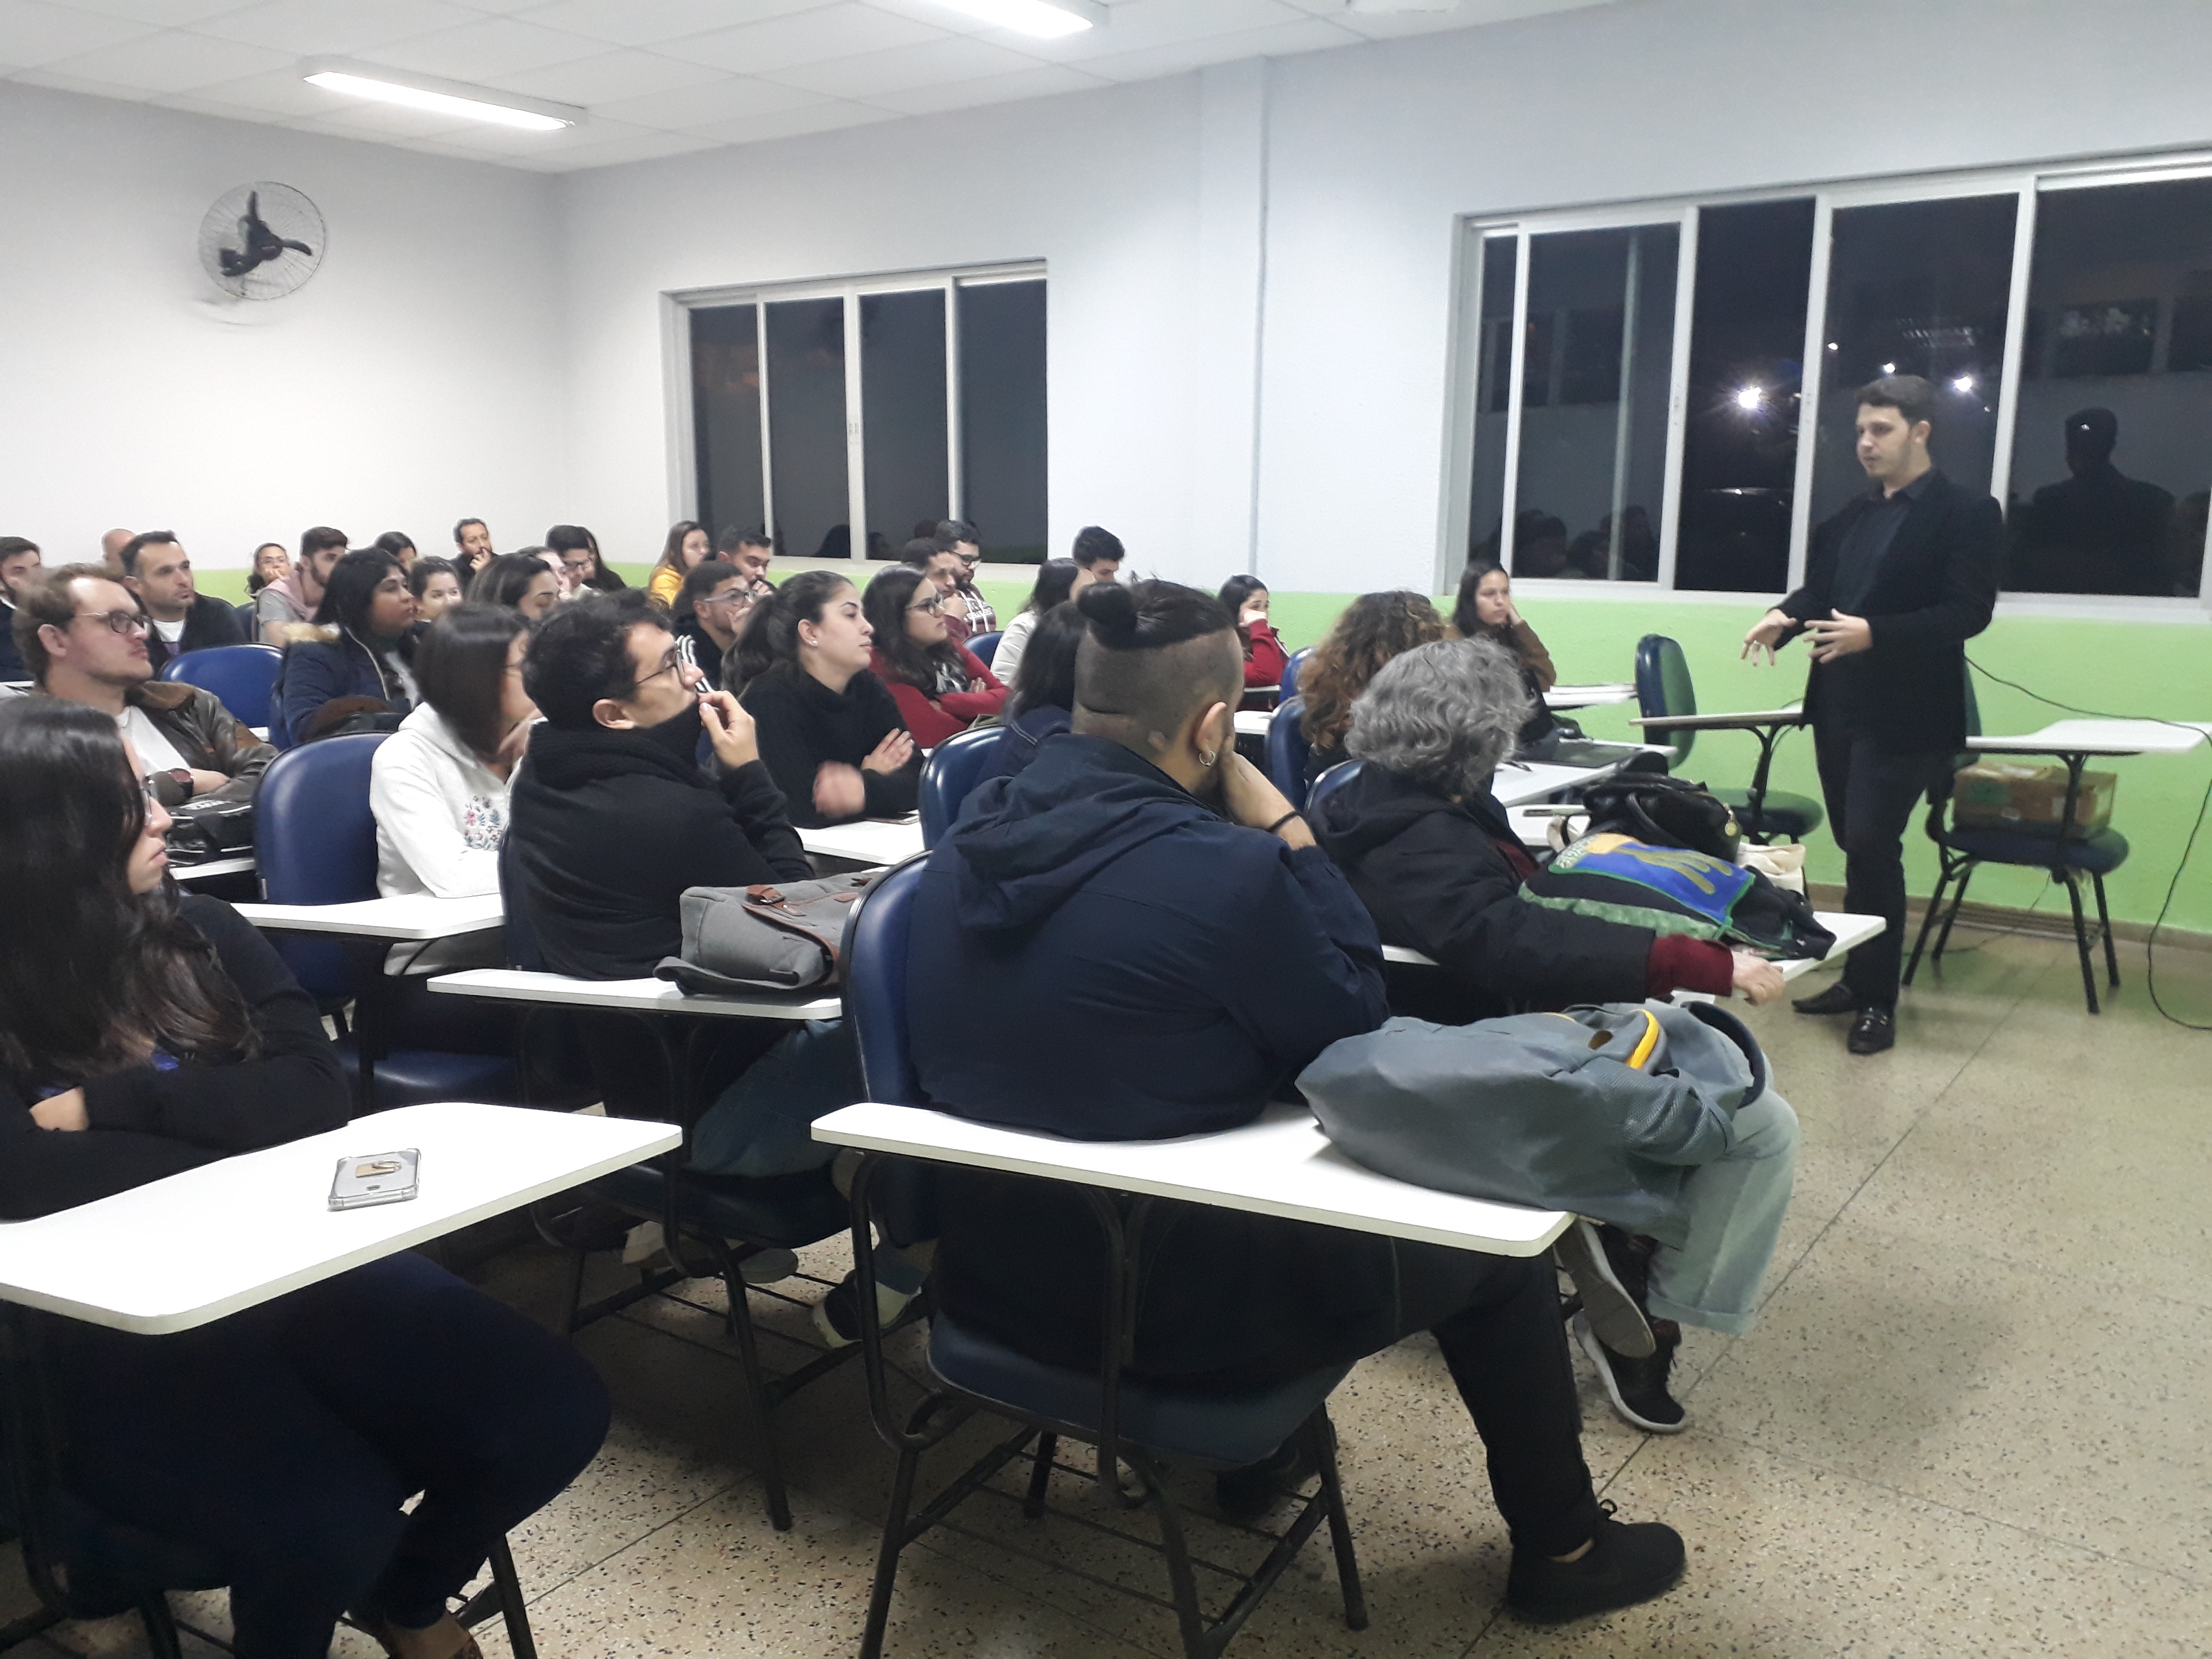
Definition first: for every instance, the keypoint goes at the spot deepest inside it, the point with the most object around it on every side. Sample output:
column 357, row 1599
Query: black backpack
column 1661, row 811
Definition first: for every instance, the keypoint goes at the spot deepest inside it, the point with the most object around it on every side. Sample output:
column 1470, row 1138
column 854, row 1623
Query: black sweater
column 802, row 723
column 148, row 1123
column 607, row 829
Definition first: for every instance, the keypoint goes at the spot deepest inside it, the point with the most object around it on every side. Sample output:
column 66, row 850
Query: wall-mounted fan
column 261, row 241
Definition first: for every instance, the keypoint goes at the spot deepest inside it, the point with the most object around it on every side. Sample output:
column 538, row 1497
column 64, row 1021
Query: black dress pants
column 1871, row 795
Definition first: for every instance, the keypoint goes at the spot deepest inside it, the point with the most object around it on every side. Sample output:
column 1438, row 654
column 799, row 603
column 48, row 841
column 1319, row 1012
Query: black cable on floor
column 2150, row 944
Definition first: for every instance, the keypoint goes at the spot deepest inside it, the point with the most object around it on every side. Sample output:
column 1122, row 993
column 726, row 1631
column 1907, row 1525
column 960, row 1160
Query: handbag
column 770, row 937
column 1662, row 810
column 201, row 831
column 1677, row 889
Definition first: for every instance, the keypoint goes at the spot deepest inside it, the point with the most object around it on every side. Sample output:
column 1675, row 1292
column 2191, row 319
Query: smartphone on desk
column 374, row 1178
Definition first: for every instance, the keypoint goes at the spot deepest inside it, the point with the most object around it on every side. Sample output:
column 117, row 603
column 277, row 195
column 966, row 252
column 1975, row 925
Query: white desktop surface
column 1588, row 697
column 191, row 1247
column 2101, row 737
column 867, row 840
column 1254, row 722
column 185, row 874
column 1850, row 931
column 417, row 916
column 1792, row 715
column 1281, row 1165
column 1518, row 783
column 636, row 996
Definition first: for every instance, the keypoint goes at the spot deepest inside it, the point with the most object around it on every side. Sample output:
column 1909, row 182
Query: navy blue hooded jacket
column 1096, row 954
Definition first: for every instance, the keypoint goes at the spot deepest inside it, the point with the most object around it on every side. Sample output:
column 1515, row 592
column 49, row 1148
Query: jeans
column 762, row 1124
column 283, row 1440
column 1871, row 794
column 1735, row 1205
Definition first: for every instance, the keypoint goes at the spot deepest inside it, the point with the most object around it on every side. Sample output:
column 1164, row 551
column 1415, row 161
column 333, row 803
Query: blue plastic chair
column 1329, row 782
column 1128, row 1420
column 1290, row 681
column 950, row 773
column 1664, row 687
column 242, row 676
column 315, row 843
column 986, row 645
column 1287, row 750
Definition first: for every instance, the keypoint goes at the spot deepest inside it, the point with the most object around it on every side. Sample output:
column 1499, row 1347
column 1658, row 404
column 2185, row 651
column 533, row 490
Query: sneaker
column 1837, row 999
column 1874, row 1030
column 1248, row 1493
column 1609, row 1304
column 1627, row 1563
column 837, row 1316
column 1636, row 1388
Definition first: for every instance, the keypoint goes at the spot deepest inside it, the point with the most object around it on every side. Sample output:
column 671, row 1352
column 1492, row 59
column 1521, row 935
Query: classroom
column 1366, row 828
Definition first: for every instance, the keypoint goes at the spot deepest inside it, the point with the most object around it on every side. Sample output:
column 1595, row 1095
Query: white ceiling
column 660, row 76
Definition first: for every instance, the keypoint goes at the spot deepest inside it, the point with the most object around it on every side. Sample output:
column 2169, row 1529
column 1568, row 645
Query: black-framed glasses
column 930, row 606
column 118, row 622
column 673, row 663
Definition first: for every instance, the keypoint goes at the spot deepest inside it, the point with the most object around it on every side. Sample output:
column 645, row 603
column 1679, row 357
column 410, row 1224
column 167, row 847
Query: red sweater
column 1265, row 658
column 933, row 720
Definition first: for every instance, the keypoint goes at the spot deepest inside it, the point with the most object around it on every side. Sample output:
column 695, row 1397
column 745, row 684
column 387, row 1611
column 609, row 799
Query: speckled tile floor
column 1971, row 1421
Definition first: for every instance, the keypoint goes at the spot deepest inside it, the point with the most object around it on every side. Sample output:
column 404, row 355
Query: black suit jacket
column 210, row 623
column 1934, row 589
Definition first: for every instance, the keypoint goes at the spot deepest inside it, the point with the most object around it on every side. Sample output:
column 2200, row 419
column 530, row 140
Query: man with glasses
column 720, row 597
column 958, row 537
column 83, row 637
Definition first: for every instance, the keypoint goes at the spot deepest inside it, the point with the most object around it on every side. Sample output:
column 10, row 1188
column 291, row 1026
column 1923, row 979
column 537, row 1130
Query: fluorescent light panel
column 436, row 97
column 1047, row 20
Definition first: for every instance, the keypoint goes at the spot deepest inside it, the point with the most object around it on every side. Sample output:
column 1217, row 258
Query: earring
column 1206, row 756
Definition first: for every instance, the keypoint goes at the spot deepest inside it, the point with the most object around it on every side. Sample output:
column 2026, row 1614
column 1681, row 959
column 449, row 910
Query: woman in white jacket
column 439, row 785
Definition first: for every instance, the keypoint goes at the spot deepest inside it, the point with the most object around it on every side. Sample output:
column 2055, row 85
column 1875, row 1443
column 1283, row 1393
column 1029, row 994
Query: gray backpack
column 784, row 937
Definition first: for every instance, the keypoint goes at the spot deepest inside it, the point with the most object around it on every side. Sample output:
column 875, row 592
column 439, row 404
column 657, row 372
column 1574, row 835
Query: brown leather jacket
column 205, row 734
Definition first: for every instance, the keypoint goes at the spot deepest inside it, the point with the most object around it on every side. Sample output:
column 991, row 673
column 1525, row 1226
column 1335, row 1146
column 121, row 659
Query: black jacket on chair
column 1934, row 589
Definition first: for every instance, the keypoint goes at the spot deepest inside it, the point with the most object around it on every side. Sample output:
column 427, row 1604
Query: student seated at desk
column 1246, row 599
column 522, row 582
column 941, row 687
column 1042, row 702
column 710, row 614
column 1374, row 627
column 84, row 640
column 286, row 605
column 1433, row 855
column 353, row 671
column 830, row 733
column 1057, row 581
column 285, row 1440
column 1486, row 610
column 1137, row 939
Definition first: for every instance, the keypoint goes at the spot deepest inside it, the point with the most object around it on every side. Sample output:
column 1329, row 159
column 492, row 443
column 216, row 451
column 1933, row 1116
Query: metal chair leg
column 1190, row 1617
column 887, row 1556
column 2105, row 922
column 511, row 1609
column 160, row 1627
column 1047, row 1445
column 2081, row 937
column 1926, row 921
column 1323, row 1437
column 758, row 1402
column 1950, row 919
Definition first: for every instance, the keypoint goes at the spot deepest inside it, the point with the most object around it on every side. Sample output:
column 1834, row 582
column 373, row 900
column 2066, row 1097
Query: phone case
column 368, row 1178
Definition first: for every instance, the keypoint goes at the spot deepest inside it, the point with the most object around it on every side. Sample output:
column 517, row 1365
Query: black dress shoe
column 1874, row 1030
column 1837, row 999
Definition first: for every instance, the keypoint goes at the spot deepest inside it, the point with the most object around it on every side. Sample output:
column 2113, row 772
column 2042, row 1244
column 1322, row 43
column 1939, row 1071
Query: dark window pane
column 1593, row 466
column 1002, row 417
column 2112, row 455
column 806, row 426
column 1740, row 452
column 903, row 401
column 1915, row 288
column 1493, row 374
column 726, row 415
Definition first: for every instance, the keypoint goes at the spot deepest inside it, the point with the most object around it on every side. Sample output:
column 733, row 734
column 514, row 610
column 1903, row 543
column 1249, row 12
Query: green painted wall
column 2115, row 667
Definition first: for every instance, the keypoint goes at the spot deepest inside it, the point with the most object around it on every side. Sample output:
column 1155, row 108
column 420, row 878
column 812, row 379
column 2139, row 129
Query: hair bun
column 1111, row 610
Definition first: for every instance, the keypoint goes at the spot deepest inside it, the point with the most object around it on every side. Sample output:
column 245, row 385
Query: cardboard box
column 1995, row 794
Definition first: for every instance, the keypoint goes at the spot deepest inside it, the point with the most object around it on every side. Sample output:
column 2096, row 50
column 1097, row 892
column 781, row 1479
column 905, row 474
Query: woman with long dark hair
column 141, row 1035
column 1058, row 580
column 941, row 687
column 1486, row 610
column 1245, row 598
column 583, row 568
column 1041, row 701
column 521, row 581
column 829, row 732
column 353, row 671
column 400, row 545
column 687, row 545
column 1373, row 629
column 436, row 585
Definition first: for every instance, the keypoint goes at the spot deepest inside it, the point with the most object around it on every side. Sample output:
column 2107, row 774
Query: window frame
column 2028, row 183
column 677, row 304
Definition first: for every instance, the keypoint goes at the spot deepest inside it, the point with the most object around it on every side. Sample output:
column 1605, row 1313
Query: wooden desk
column 179, row 1252
column 1281, row 1165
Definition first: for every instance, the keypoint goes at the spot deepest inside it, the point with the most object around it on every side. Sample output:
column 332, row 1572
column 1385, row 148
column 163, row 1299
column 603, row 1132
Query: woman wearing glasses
column 285, row 1440
column 941, row 687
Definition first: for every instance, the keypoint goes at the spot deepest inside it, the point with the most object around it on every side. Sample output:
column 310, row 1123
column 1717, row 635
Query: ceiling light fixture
column 1047, row 20
column 436, row 97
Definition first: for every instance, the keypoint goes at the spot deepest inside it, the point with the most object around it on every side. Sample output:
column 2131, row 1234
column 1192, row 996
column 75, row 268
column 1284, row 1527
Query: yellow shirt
column 666, row 583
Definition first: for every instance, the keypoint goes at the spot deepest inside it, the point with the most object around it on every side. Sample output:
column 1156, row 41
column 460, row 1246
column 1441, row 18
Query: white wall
column 416, row 378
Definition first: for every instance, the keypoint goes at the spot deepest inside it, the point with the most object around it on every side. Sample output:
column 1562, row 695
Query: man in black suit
column 156, row 568
column 1896, row 584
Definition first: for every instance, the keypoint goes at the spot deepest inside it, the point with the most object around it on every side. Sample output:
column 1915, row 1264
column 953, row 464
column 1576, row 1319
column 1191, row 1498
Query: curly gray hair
column 1443, row 715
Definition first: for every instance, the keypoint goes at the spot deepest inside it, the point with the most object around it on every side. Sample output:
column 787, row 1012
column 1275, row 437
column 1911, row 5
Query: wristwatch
column 183, row 778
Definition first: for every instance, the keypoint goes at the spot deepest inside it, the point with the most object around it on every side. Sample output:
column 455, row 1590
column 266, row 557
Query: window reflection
column 2112, row 451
